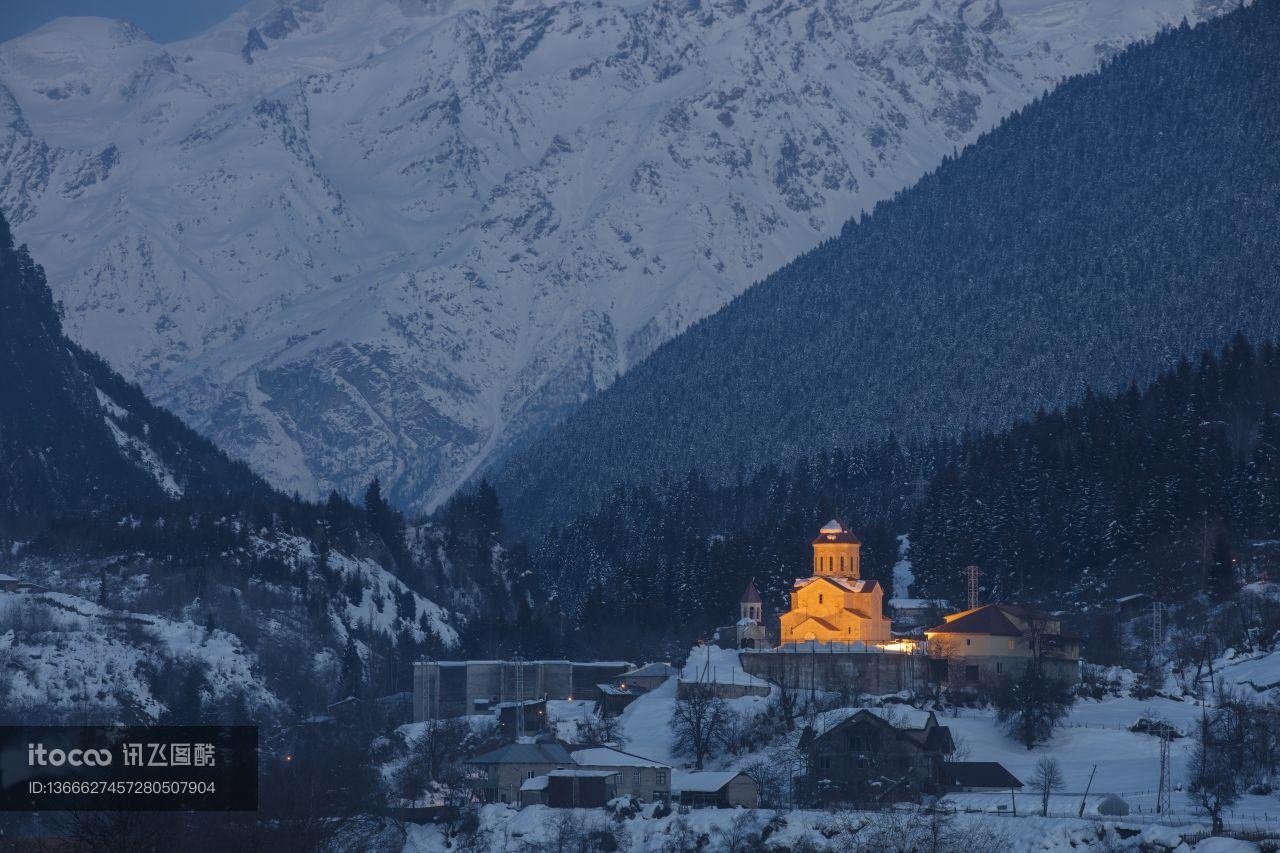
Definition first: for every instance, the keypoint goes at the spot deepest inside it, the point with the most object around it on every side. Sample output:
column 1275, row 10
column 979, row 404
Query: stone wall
column 870, row 672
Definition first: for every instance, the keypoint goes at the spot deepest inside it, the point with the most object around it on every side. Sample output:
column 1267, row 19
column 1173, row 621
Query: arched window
column 831, row 563
column 819, row 598
column 842, row 563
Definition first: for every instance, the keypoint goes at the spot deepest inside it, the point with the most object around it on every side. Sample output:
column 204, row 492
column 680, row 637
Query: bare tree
column 1047, row 780
column 700, row 723
column 1214, row 780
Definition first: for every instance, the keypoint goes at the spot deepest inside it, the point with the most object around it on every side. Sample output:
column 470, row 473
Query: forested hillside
column 74, row 436
column 172, row 583
column 1155, row 491
column 1126, row 219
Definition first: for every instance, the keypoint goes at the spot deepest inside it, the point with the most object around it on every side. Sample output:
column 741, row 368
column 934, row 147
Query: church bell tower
column 836, row 552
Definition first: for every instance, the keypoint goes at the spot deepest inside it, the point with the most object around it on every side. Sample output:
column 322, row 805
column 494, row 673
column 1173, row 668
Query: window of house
column 635, row 777
column 529, row 775
column 968, row 642
column 819, row 598
column 662, row 777
column 999, row 668
column 1011, row 644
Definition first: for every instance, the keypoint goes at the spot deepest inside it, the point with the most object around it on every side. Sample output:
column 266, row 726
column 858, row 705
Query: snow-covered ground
column 64, row 657
column 506, row 830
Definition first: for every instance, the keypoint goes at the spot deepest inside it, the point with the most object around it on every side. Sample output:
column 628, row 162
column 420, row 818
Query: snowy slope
column 65, row 657
column 394, row 238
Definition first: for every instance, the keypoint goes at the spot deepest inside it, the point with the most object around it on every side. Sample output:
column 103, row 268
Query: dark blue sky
column 164, row 20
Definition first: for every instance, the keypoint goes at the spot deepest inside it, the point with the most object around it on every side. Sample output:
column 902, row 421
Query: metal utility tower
column 973, row 572
column 1164, row 795
column 519, row 661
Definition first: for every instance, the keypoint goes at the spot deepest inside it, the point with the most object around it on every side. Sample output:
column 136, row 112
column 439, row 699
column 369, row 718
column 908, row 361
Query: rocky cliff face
column 359, row 238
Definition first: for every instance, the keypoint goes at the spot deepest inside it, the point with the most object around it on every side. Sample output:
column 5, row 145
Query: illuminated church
column 835, row 605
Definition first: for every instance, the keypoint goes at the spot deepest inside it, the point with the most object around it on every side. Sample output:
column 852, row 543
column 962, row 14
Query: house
column 8, row 583
column 835, row 605
column 648, row 677
column 878, row 755
column 978, row 776
column 498, row 774
column 723, row 789
column 995, row 641
column 612, row 700
column 518, row 718
column 643, row 778
column 581, row 789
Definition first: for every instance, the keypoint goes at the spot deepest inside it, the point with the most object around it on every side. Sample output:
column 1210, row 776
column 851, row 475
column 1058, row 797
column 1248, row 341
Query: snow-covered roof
column 651, row 670
column 902, row 717
column 916, row 603
column 7, row 579
column 537, row 783
column 832, row 526
column 603, row 756
column 704, row 781
column 850, row 584
column 583, row 774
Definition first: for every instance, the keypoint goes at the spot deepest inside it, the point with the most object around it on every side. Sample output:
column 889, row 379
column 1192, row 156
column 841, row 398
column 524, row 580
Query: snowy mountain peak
column 398, row 238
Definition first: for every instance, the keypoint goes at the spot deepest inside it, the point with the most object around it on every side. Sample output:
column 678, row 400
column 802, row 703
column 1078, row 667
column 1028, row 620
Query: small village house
column 643, row 778
column 878, row 755
column 723, row 789
column 984, row 645
column 497, row 775
column 570, row 789
column 648, row 677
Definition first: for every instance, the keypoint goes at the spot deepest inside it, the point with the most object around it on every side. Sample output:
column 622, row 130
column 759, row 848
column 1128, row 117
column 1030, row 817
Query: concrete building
column 443, row 689
column 725, row 789
column 984, row 645
column 643, row 778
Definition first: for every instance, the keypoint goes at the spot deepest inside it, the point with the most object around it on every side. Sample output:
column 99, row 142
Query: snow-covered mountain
column 387, row 238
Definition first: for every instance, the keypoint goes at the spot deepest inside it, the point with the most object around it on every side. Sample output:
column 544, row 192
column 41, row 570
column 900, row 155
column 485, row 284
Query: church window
column 831, row 564
column 842, row 564
column 819, row 598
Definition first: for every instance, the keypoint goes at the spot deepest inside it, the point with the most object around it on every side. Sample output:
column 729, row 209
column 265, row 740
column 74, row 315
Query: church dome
column 834, row 531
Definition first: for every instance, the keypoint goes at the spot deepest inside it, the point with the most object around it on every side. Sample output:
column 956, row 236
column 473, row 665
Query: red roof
column 751, row 595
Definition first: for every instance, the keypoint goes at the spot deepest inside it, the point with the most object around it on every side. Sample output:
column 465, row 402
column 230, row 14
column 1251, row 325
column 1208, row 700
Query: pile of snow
column 713, row 665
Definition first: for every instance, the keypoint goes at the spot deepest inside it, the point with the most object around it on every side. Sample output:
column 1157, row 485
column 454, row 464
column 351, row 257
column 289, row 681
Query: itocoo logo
column 38, row 756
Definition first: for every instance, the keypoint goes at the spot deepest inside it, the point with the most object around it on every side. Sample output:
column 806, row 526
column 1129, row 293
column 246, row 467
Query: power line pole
column 1164, row 796
column 973, row 572
column 519, row 696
